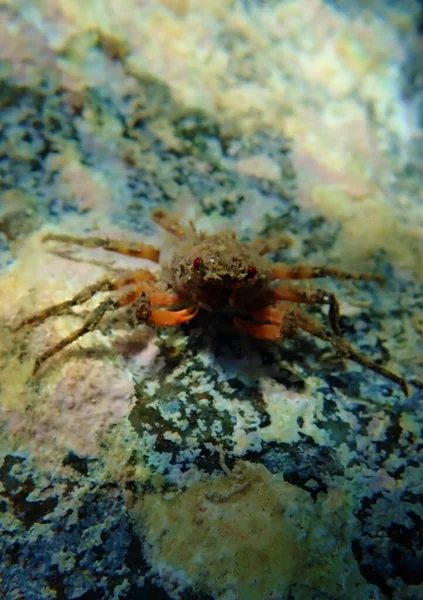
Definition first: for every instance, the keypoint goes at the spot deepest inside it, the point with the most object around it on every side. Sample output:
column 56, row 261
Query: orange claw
column 170, row 318
column 163, row 299
column 264, row 332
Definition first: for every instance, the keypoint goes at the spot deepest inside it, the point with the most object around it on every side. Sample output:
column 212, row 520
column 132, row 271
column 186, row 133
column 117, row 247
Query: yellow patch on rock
column 247, row 535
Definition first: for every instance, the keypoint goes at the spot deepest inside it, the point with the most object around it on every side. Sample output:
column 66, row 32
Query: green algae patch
column 248, row 534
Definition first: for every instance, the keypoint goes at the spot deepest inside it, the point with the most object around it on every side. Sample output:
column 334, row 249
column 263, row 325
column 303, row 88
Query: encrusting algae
column 248, row 534
column 111, row 485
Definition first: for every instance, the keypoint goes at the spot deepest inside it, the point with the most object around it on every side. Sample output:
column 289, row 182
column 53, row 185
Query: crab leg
column 284, row 271
column 135, row 249
column 308, row 324
column 163, row 299
column 129, row 297
column 169, row 222
column 282, row 320
column 103, row 285
column 263, row 331
column 273, row 324
column 170, row 318
column 273, row 244
column 311, row 297
column 160, row 317
column 90, row 323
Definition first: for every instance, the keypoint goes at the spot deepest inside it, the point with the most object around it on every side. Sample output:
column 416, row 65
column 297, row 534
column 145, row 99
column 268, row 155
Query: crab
column 217, row 273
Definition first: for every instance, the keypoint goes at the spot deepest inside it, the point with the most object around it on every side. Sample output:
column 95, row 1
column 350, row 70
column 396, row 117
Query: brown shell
column 207, row 269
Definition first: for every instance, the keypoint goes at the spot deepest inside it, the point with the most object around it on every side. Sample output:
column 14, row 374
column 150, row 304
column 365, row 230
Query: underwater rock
column 249, row 534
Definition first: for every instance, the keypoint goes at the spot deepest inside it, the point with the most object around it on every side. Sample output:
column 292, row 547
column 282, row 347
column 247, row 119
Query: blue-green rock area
column 192, row 462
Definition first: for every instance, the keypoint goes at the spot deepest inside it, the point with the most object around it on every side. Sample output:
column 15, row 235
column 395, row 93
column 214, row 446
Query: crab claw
column 169, row 318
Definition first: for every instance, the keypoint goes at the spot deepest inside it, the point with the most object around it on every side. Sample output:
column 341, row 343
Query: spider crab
column 217, row 273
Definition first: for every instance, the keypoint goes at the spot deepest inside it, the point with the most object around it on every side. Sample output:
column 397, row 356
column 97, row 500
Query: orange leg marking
column 132, row 277
column 155, row 317
column 135, row 249
column 163, row 299
column 168, row 222
column 104, row 285
column 286, row 319
column 169, row 318
column 263, row 332
column 275, row 323
column 283, row 271
column 311, row 297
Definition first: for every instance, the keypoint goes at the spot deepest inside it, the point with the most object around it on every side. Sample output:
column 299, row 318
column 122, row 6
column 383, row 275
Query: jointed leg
column 169, row 222
column 276, row 242
column 284, row 271
column 262, row 331
column 275, row 323
column 137, row 250
column 308, row 324
column 104, row 285
column 89, row 324
column 311, row 297
column 268, row 324
column 93, row 318
column 170, row 318
column 164, row 299
column 161, row 318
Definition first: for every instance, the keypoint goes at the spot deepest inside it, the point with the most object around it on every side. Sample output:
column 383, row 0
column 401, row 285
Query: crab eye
column 251, row 271
column 197, row 263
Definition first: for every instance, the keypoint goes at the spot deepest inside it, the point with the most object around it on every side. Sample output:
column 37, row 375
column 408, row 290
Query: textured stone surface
column 132, row 437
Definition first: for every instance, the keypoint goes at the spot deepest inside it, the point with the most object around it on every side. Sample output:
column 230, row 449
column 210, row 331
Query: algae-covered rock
column 249, row 534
